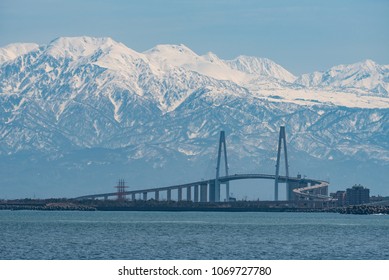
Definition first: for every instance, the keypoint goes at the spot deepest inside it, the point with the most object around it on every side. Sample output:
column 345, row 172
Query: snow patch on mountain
column 316, row 96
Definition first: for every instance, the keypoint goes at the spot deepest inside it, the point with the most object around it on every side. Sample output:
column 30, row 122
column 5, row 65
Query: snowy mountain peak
column 75, row 47
column 166, row 57
column 366, row 65
column 369, row 63
column 261, row 67
column 213, row 58
column 12, row 51
column 364, row 77
column 169, row 50
column 104, row 52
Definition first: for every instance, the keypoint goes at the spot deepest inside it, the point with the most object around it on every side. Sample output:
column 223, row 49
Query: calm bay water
column 191, row 235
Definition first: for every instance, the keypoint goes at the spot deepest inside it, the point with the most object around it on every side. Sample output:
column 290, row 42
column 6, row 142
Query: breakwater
column 45, row 205
column 362, row 210
column 153, row 205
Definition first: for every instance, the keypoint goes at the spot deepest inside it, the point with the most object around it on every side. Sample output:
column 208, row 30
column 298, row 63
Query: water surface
column 191, row 235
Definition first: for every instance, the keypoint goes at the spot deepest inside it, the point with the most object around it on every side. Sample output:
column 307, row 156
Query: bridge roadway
column 208, row 191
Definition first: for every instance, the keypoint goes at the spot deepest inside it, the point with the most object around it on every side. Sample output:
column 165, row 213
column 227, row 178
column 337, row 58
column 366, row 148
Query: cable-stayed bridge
column 209, row 190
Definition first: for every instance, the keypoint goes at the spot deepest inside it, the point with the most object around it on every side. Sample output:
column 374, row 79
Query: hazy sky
column 301, row 35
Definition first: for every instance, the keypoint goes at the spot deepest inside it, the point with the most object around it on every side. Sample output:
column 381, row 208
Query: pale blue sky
column 301, row 35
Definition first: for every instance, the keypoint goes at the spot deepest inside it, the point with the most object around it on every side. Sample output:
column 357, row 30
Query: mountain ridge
column 263, row 67
column 149, row 109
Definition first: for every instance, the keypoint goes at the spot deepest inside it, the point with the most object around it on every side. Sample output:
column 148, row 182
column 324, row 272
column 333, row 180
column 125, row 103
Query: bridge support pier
column 169, row 195
column 212, row 191
column 295, row 185
column 133, row 196
column 203, row 193
column 196, row 193
column 156, row 195
column 320, row 191
column 145, row 196
column 228, row 191
column 217, row 191
column 189, row 193
column 324, row 191
column 179, row 195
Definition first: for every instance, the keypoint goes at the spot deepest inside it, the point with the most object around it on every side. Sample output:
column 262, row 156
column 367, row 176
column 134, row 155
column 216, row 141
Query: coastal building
column 357, row 195
column 340, row 197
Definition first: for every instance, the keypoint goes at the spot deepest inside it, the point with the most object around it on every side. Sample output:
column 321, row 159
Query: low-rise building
column 340, row 196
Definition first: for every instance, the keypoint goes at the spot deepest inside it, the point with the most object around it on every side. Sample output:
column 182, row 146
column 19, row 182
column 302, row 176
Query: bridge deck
column 300, row 191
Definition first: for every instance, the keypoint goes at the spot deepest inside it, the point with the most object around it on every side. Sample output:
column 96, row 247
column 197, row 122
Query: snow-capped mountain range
column 166, row 106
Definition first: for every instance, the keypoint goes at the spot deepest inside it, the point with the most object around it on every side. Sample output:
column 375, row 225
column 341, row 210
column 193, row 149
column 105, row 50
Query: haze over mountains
column 79, row 113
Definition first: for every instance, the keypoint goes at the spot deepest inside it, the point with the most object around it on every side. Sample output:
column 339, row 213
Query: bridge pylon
column 222, row 145
column 281, row 140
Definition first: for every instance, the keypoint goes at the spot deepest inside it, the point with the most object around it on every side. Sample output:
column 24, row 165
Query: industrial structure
column 209, row 190
column 121, row 190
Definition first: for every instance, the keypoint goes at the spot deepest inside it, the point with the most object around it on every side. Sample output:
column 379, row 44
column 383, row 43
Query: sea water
column 191, row 235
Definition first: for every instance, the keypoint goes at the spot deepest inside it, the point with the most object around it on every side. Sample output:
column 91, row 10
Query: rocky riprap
column 364, row 210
